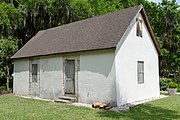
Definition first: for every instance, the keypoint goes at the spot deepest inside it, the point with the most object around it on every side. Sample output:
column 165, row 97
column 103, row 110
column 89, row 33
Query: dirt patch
column 9, row 94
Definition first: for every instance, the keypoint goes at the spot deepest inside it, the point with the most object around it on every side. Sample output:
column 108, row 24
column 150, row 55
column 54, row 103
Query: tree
column 39, row 15
column 7, row 48
column 169, row 34
column 82, row 9
column 10, row 19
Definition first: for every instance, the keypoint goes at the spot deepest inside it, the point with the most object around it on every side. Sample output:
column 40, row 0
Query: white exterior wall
column 130, row 50
column 96, row 78
column 51, row 77
column 21, row 77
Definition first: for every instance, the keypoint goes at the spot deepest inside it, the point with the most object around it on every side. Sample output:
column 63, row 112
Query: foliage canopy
column 20, row 20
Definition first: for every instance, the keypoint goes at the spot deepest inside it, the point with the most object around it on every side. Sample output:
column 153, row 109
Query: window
column 140, row 69
column 139, row 27
column 34, row 72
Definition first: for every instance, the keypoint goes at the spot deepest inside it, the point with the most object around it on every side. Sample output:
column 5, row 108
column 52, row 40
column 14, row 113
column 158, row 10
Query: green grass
column 16, row 108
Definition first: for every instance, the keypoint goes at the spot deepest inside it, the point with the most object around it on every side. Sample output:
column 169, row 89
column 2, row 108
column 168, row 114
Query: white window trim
column 140, row 22
column 140, row 72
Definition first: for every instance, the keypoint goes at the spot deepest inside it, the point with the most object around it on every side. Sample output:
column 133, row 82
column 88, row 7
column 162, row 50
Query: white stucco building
column 111, row 58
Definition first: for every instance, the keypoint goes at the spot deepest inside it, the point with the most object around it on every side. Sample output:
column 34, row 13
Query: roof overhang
column 142, row 11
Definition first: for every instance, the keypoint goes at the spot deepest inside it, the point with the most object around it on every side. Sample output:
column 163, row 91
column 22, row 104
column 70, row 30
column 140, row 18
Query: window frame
column 139, row 30
column 34, row 74
column 140, row 72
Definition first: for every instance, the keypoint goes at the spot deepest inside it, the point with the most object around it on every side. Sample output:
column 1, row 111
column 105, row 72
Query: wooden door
column 34, row 79
column 69, row 76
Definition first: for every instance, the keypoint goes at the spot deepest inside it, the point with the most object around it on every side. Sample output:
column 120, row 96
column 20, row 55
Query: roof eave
column 23, row 57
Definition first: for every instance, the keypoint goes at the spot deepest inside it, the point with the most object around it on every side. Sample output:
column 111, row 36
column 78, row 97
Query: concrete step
column 72, row 99
column 62, row 101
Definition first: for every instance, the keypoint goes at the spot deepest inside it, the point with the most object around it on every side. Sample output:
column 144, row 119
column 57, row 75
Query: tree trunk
column 7, row 79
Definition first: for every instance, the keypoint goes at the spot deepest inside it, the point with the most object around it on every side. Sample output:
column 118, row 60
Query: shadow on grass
column 142, row 112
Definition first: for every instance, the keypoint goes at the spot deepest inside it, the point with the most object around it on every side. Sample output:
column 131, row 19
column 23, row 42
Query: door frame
column 76, row 59
column 34, row 61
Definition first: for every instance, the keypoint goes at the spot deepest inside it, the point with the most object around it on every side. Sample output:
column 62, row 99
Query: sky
column 160, row 1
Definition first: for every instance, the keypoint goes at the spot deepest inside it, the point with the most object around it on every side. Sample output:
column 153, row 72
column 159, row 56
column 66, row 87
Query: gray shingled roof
column 101, row 32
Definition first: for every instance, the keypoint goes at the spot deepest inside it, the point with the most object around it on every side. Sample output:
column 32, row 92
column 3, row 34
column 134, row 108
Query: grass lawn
column 16, row 108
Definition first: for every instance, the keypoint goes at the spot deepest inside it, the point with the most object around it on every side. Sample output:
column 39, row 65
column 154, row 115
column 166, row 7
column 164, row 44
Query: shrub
column 178, row 89
column 164, row 83
column 172, row 85
column 4, row 91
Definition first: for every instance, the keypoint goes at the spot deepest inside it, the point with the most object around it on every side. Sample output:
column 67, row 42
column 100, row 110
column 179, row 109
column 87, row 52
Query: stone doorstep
column 66, row 99
column 72, row 99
